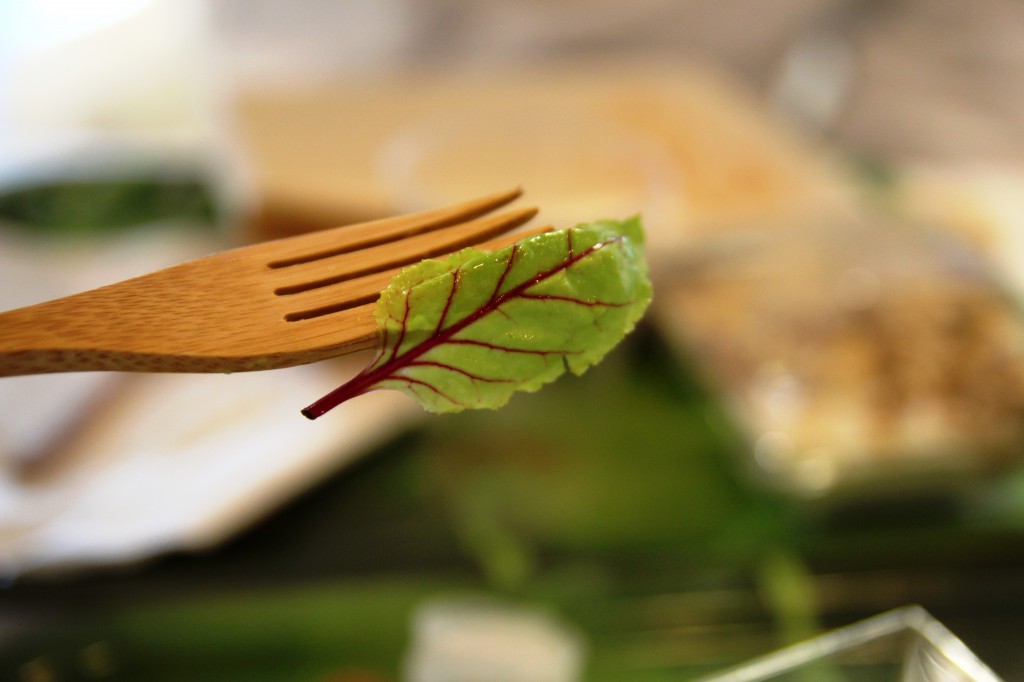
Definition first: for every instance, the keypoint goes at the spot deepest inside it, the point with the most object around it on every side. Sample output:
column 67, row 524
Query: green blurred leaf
column 100, row 205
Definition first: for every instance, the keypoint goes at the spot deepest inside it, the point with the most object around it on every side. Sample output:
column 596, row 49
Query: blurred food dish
column 855, row 351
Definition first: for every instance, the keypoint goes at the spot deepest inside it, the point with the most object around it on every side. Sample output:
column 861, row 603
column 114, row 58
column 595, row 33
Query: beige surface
column 717, row 156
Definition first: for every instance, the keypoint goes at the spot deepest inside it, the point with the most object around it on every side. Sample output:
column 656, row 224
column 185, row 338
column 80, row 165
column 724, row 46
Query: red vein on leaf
column 570, row 299
column 448, row 302
column 418, row 382
column 508, row 268
column 508, row 349
column 458, row 370
column 377, row 372
column 403, row 326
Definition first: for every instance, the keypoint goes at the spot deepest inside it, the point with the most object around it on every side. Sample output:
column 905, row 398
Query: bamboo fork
column 275, row 304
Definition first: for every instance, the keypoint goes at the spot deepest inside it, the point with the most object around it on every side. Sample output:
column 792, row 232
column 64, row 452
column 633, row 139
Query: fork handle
column 46, row 338
column 125, row 327
column 113, row 329
column 91, row 331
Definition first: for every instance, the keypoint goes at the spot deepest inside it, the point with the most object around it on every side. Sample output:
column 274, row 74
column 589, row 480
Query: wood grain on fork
column 274, row 304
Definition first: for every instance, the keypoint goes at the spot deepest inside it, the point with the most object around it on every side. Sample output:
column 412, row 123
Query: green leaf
column 469, row 330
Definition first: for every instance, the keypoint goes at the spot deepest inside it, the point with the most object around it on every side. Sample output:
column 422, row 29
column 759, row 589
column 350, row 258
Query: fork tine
column 339, row 268
column 347, row 238
column 360, row 291
column 319, row 338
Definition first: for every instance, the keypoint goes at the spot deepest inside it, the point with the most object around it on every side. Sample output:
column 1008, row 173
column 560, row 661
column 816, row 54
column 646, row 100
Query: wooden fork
column 275, row 304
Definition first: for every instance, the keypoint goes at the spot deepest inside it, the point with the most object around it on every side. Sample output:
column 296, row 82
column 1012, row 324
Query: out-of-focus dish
column 179, row 462
column 855, row 351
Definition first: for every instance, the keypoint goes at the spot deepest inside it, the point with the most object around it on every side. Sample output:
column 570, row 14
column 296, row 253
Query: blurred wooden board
column 314, row 151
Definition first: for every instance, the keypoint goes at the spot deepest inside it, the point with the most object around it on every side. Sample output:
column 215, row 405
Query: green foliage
column 88, row 206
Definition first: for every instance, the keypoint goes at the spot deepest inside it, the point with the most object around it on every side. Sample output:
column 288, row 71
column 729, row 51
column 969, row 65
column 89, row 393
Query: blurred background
column 820, row 419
